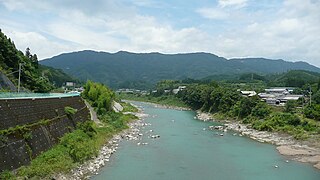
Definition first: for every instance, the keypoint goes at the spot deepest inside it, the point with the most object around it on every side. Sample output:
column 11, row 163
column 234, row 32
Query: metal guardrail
column 6, row 95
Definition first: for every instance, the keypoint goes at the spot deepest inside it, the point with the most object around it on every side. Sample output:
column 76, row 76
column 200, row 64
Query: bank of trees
column 100, row 96
column 227, row 101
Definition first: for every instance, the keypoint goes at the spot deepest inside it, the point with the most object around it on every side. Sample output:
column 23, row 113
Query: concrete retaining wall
column 16, row 149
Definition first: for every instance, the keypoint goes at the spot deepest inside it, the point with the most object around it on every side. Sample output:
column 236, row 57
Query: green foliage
column 127, row 107
column 54, row 160
column 69, row 110
column 130, row 70
column 277, row 121
column 169, row 100
column 117, row 120
column 56, row 76
column 295, row 78
column 80, row 146
column 247, row 77
column 290, row 106
column 312, row 111
column 88, row 128
column 261, row 110
column 10, row 58
column 225, row 101
column 73, row 148
column 7, row 175
column 245, row 106
column 316, row 97
column 100, row 96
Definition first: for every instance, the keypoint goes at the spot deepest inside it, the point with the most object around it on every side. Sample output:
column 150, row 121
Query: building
column 279, row 95
column 180, row 88
column 248, row 93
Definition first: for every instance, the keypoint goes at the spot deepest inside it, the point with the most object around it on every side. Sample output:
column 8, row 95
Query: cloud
column 38, row 43
column 289, row 30
column 213, row 13
column 232, row 3
column 108, row 31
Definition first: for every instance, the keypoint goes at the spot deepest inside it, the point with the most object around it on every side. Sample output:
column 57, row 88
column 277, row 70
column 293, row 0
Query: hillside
column 34, row 77
column 295, row 78
column 124, row 69
column 56, row 76
column 10, row 58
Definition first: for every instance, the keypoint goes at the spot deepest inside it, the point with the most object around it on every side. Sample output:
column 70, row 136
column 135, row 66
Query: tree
column 28, row 54
column 290, row 106
column 316, row 97
column 34, row 60
column 261, row 110
column 312, row 111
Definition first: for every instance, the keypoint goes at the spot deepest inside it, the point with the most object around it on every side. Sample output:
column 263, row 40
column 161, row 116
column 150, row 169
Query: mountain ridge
column 121, row 68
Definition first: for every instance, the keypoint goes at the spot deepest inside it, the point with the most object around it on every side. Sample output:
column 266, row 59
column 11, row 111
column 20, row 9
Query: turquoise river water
column 185, row 151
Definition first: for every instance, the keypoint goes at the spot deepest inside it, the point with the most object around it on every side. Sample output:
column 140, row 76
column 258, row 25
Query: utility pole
column 310, row 94
column 19, row 77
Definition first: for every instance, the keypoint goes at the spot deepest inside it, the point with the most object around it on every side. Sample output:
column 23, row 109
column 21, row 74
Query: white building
column 248, row 93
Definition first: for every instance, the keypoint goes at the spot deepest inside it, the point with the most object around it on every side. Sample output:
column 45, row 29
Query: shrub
column 79, row 145
column 70, row 111
column 261, row 110
column 54, row 160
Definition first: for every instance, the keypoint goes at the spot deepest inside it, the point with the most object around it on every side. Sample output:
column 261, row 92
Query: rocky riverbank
column 92, row 167
column 171, row 107
column 287, row 145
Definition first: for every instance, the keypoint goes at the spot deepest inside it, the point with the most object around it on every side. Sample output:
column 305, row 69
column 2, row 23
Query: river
column 186, row 151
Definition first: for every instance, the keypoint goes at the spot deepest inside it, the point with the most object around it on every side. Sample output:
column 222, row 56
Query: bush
column 99, row 95
column 261, row 110
column 88, row 128
column 7, row 175
column 70, row 111
column 80, row 146
column 56, row 159
column 312, row 111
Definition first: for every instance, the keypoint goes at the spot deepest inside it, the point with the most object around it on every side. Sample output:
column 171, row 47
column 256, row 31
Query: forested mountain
column 56, row 76
column 10, row 58
column 124, row 69
column 34, row 77
column 294, row 78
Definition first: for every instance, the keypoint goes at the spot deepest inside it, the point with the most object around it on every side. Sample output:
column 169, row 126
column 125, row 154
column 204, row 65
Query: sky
column 276, row 29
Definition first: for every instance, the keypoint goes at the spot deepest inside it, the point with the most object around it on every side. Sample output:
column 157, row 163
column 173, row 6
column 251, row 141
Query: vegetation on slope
column 131, row 70
column 10, row 58
column 83, row 143
column 226, row 101
column 56, row 76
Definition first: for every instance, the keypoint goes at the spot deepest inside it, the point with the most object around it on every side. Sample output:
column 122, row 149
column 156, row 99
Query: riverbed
column 184, row 148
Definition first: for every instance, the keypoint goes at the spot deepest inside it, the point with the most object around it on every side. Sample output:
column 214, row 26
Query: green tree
column 312, row 111
column 261, row 110
column 290, row 106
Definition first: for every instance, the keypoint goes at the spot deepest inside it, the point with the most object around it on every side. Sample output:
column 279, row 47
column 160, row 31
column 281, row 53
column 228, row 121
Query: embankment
column 30, row 126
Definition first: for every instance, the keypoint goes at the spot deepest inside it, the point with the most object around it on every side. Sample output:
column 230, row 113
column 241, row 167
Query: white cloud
column 291, row 32
column 213, row 13
column 38, row 44
column 232, row 3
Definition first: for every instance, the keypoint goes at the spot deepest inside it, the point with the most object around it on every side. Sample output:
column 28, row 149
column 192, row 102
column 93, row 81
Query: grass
column 127, row 107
